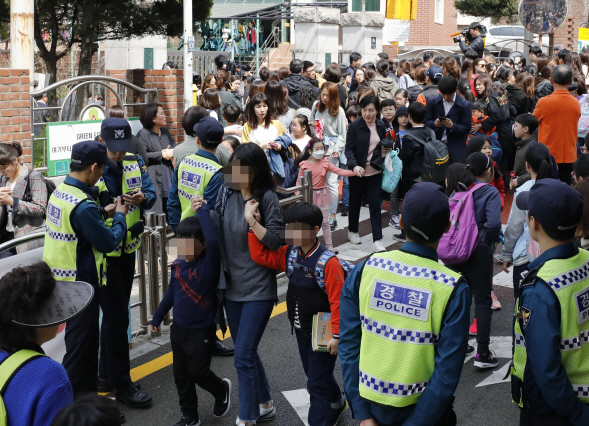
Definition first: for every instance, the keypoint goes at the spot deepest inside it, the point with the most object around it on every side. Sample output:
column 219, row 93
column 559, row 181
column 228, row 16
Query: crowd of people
column 442, row 140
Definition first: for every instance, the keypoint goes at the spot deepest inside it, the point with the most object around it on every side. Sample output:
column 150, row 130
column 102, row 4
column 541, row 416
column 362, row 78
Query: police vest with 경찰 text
column 194, row 174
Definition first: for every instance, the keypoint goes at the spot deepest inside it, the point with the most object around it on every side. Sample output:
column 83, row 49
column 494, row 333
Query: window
column 371, row 6
column 518, row 31
column 356, row 5
column 502, row 31
column 439, row 11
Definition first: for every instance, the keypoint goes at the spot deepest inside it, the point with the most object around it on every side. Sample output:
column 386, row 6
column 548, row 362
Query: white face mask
column 319, row 154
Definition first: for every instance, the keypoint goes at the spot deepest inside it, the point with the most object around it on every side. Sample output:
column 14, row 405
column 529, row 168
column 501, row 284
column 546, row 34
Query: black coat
column 358, row 141
column 500, row 116
column 518, row 99
column 293, row 83
column 477, row 44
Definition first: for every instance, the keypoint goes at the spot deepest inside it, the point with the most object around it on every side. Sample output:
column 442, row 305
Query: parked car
column 505, row 36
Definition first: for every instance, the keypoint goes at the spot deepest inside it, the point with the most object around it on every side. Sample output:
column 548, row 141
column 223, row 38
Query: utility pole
column 22, row 43
column 187, row 54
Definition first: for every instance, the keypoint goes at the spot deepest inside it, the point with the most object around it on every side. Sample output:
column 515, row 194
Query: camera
column 465, row 32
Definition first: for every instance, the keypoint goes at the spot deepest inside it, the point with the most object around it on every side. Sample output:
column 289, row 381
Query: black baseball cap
column 117, row 134
column 553, row 203
column 68, row 299
column 426, row 210
column 90, row 152
column 209, row 130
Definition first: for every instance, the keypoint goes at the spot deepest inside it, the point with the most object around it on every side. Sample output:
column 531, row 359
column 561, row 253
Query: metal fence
column 152, row 258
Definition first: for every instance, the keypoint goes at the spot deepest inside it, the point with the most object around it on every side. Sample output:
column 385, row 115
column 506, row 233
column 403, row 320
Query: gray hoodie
column 384, row 87
column 516, row 241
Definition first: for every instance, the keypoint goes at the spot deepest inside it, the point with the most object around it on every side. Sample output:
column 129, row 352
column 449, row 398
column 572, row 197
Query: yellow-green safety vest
column 194, row 174
column 403, row 298
column 61, row 242
column 131, row 181
column 569, row 280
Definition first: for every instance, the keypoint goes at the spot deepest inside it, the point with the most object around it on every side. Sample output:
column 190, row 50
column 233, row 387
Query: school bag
column 436, row 158
column 391, row 173
column 459, row 242
column 583, row 126
column 9, row 366
column 319, row 271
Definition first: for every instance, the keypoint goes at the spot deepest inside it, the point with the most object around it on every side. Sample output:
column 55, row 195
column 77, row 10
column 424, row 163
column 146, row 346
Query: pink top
column 319, row 172
column 374, row 140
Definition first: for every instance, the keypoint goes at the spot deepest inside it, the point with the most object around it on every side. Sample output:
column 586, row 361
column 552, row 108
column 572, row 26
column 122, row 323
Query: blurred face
column 186, row 248
column 238, row 176
column 480, row 87
column 261, row 110
column 297, row 129
column 212, row 84
column 388, row 112
column 400, row 100
column 9, row 170
column 477, row 113
column 369, row 113
column 359, row 76
column 160, row 118
column 300, row 234
column 310, row 73
column 403, row 120
column 487, row 149
column 324, row 96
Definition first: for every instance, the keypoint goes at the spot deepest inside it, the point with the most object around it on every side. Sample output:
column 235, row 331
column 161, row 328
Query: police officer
column 129, row 180
column 550, row 372
column 197, row 174
column 75, row 239
column 477, row 43
column 404, row 324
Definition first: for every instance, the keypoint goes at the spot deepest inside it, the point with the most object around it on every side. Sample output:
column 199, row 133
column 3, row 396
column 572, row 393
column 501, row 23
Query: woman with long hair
column 278, row 104
column 259, row 127
column 584, row 55
column 211, row 100
column 23, row 200
column 573, row 61
column 250, row 290
column 333, row 74
column 467, row 71
column 450, row 67
column 420, row 84
column 543, row 84
column 257, row 86
column 283, row 72
column 465, row 90
column 403, row 72
column 223, row 82
column 526, row 83
column 328, row 109
column 369, row 75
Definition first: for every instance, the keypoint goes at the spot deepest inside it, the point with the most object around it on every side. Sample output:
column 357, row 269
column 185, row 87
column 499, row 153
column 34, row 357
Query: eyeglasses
column 584, row 150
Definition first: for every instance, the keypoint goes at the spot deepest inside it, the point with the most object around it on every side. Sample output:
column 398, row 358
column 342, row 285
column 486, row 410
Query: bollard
column 309, row 186
column 142, row 290
column 161, row 222
column 152, row 266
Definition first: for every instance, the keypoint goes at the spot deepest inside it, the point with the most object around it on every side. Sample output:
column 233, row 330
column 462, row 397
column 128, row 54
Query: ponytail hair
column 9, row 152
column 305, row 155
column 538, row 157
column 477, row 164
column 458, row 178
column 304, row 122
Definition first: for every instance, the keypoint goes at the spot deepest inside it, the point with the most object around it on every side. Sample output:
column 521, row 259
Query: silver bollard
column 309, row 186
column 161, row 221
column 142, row 290
column 152, row 267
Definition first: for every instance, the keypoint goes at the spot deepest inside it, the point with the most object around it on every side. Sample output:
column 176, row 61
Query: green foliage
column 494, row 9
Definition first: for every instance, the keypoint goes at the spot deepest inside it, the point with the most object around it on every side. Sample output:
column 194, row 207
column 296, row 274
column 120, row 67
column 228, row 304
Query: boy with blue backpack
column 316, row 278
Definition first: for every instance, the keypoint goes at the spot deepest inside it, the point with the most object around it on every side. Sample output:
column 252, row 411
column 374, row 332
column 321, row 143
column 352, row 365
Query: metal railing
column 153, row 253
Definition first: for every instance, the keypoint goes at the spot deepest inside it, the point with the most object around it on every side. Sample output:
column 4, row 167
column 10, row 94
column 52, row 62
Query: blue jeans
column 247, row 322
column 346, row 192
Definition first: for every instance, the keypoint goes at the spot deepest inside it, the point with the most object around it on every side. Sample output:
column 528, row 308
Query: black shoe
column 222, row 406
column 345, row 211
column 133, row 397
column 486, row 361
column 400, row 237
column 122, row 419
column 219, row 349
column 469, row 349
column 188, row 421
column 104, row 386
column 335, row 414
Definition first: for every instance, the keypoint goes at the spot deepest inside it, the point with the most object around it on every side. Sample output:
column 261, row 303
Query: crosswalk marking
column 300, row 401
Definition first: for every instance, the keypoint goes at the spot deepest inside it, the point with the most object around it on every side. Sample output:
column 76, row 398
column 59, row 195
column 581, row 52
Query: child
column 353, row 113
column 388, row 107
column 192, row 295
column 524, row 128
column 260, row 128
column 479, row 114
column 301, row 132
column 232, row 116
column 231, row 143
column 516, row 234
column 478, row 269
column 400, row 126
column 401, row 98
column 313, row 158
column 482, row 144
column 581, row 168
column 305, row 298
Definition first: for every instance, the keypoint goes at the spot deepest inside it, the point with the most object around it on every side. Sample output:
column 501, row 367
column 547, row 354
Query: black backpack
column 436, row 159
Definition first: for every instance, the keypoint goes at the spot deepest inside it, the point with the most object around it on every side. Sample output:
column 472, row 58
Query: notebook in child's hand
column 322, row 332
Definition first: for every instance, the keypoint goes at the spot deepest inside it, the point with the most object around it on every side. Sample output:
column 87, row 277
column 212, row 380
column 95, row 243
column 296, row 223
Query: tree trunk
column 87, row 49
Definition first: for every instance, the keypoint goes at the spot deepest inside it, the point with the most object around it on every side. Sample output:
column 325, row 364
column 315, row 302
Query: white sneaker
column 243, row 423
column 354, row 238
column 379, row 247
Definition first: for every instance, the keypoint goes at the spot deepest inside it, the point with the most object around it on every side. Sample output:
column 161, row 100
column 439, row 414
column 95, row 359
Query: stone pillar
column 317, row 30
column 358, row 31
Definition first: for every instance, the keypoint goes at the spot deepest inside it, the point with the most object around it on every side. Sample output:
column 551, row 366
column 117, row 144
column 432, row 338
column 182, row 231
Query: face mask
column 318, row 154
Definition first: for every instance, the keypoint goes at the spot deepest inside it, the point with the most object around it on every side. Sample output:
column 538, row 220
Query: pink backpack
column 459, row 242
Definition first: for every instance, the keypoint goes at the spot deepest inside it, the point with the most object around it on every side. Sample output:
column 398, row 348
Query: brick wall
column 425, row 32
column 15, row 114
column 170, row 85
column 568, row 33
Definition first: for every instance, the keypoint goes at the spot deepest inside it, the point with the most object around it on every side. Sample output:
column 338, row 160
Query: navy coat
column 461, row 116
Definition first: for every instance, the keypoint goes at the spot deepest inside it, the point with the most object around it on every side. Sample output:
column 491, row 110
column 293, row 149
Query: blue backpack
column 319, row 271
column 390, row 179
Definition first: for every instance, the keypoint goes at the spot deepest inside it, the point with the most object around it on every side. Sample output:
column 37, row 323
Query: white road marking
column 496, row 377
column 300, row 401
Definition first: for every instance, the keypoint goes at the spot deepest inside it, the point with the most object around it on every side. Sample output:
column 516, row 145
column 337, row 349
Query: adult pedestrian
column 384, row 86
column 390, row 379
column 558, row 116
column 250, row 290
column 130, row 181
column 358, row 81
column 295, row 81
column 432, row 77
column 76, row 239
column 428, row 59
column 23, row 200
column 521, row 94
column 420, row 85
column 477, row 43
column 450, row 67
column 355, row 62
column 33, row 304
column 363, row 154
column 278, row 104
column 544, row 85
column 449, row 115
column 551, row 314
column 333, row 74
column 403, row 72
column 223, row 83
column 156, row 138
column 328, row 109
column 467, row 69
column 309, row 73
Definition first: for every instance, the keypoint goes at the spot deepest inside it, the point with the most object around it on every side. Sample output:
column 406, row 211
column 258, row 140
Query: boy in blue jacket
column 192, row 295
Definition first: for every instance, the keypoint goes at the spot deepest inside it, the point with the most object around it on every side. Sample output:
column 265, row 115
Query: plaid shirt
column 28, row 216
